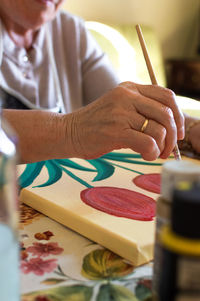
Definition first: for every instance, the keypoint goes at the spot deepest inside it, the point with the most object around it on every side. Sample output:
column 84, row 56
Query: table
column 59, row 264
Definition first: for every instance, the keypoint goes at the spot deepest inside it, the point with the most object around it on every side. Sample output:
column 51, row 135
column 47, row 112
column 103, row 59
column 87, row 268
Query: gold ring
column 144, row 125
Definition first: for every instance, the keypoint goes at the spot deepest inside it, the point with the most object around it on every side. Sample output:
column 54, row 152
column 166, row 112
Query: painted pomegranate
column 150, row 182
column 120, row 202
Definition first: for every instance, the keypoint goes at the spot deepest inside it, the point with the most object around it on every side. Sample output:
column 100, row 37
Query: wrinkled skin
column 111, row 122
column 114, row 121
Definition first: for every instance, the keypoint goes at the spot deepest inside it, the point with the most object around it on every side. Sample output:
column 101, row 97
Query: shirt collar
column 15, row 53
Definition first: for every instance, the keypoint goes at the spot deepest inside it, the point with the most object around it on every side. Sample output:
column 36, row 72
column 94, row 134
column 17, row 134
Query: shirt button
column 25, row 75
column 25, row 58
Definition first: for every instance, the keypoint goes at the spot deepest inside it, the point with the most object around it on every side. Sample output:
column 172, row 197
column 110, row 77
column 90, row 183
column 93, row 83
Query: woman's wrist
column 192, row 125
column 66, row 125
column 41, row 135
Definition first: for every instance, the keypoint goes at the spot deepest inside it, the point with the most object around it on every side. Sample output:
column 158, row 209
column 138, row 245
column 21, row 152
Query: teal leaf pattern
column 54, row 172
column 125, row 160
column 30, row 173
column 73, row 176
column 72, row 164
column 103, row 168
column 121, row 155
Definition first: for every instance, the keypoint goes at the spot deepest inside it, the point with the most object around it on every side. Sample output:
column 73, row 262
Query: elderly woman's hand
column 115, row 120
column 111, row 122
column 192, row 126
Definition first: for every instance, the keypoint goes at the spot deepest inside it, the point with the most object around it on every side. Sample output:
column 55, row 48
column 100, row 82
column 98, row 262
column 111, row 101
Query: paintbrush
column 176, row 151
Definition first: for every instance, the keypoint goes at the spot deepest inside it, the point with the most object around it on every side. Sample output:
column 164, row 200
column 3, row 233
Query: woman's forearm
column 41, row 135
column 113, row 121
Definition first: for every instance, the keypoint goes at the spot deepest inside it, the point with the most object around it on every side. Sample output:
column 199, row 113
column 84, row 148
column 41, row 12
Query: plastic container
column 180, row 247
column 173, row 173
column 9, row 246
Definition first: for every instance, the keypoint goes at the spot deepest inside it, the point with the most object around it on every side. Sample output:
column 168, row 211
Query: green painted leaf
column 54, row 171
column 113, row 155
column 122, row 155
column 76, row 178
column 63, row 293
column 121, row 159
column 72, row 164
column 104, row 264
column 108, row 292
column 30, row 173
column 104, row 169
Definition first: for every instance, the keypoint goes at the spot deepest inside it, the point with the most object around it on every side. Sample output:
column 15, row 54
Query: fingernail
column 181, row 133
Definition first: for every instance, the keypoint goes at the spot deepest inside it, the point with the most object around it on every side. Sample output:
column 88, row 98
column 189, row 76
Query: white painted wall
column 175, row 21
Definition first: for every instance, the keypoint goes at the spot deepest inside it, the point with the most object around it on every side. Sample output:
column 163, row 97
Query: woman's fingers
column 157, row 111
column 162, row 115
column 144, row 144
column 165, row 97
column 168, row 98
column 151, row 128
column 116, row 120
column 158, row 132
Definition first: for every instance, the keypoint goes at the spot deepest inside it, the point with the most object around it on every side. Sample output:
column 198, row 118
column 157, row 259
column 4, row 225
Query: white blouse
column 84, row 71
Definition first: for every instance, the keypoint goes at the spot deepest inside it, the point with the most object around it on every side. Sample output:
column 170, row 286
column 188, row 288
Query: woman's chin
column 47, row 3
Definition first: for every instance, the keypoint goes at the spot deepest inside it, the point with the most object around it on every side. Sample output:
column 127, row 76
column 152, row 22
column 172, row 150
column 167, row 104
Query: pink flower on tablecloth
column 45, row 249
column 38, row 266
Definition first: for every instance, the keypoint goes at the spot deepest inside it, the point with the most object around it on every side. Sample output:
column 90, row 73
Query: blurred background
column 176, row 24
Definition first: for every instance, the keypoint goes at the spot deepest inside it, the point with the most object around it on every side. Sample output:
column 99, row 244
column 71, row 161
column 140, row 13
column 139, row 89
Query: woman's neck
column 24, row 40
column 21, row 36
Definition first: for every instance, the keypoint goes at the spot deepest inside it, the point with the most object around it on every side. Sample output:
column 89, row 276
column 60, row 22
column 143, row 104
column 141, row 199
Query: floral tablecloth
column 58, row 264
